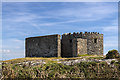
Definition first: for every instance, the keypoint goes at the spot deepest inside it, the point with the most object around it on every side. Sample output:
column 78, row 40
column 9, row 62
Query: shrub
column 80, row 55
column 113, row 61
column 112, row 54
column 118, row 60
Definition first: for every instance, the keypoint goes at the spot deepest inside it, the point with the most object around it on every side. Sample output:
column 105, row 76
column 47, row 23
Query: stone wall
column 66, row 44
column 81, row 46
column 71, row 45
column 43, row 46
column 94, row 43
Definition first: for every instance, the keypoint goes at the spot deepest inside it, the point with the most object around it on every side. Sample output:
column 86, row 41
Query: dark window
column 70, row 40
column 95, row 40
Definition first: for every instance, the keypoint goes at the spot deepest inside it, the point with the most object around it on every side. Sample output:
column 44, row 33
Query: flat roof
column 42, row 36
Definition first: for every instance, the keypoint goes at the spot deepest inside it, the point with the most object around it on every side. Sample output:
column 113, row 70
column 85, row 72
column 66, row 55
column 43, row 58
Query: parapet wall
column 81, row 34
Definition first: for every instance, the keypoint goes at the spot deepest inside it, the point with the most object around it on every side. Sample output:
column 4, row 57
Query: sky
column 60, row 0
column 27, row 19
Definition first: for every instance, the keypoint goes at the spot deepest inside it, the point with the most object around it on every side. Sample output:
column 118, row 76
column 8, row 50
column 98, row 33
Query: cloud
column 6, row 51
column 111, row 44
column 12, row 44
column 41, row 20
column 61, row 1
column 12, row 48
column 10, row 55
column 84, row 11
column 68, row 13
column 110, row 29
column 21, row 20
column 111, row 41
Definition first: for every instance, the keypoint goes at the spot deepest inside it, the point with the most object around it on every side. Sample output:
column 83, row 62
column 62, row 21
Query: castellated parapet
column 71, row 45
column 82, row 43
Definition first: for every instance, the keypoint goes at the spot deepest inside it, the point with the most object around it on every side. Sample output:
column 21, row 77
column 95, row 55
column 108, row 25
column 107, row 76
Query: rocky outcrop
column 62, row 61
column 61, row 68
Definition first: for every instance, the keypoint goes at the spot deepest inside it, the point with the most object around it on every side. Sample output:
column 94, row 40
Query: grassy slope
column 56, row 70
column 51, row 58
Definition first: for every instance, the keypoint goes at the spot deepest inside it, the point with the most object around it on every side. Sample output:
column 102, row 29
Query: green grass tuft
column 79, row 55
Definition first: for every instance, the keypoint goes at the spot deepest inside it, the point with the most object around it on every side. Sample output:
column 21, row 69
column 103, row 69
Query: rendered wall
column 43, row 46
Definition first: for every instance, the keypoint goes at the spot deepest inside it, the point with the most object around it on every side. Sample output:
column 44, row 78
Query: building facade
column 71, row 45
column 43, row 46
column 82, row 43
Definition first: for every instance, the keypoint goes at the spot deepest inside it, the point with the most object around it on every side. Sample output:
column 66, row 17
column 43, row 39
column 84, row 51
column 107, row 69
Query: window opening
column 95, row 40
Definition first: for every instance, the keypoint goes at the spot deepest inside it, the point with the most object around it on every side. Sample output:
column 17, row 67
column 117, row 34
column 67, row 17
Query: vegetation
column 79, row 55
column 113, row 61
column 52, row 58
column 112, row 54
column 55, row 70
column 31, row 58
column 52, row 69
column 118, row 60
column 37, row 58
column 97, row 57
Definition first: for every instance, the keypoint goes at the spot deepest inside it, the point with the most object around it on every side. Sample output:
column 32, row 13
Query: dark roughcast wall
column 43, row 46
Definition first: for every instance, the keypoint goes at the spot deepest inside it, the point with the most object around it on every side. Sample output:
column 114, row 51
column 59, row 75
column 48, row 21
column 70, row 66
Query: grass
column 52, row 58
column 84, row 55
column 52, row 69
column 55, row 70
column 0, row 66
column 30, row 59
column 98, row 57
column 37, row 58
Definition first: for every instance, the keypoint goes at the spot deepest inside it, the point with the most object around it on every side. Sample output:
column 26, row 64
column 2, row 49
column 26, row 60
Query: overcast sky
column 26, row 19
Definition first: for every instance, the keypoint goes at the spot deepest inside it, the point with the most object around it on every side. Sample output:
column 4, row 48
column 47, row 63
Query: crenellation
column 74, row 33
column 63, row 34
column 69, row 33
column 70, row 45
column 81, row 32
column 96, row 33
column 86, row 32
column 94, row 42
column 77, row 32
